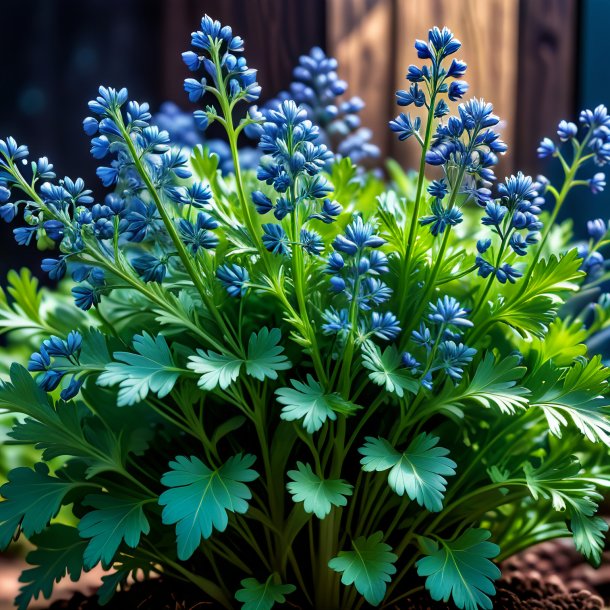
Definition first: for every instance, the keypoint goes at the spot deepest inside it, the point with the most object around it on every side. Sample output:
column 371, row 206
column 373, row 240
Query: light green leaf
column 215, row 369
column 58, row 550
column 31, row 499
column 265, row 356
column 368, row 567
column 112, row 521
column 493, row 384
column 262, row 596
column 419, row 471
column 461, row 569
column 152, row 369
column 576, row 396
column 571, row 491
column 312, row 404
column 386, row 369
column 200, row 498
column 318, row 495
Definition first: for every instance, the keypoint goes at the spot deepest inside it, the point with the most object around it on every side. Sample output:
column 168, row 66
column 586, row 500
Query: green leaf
column 573, row 492
column 59, row 549
column 493, row 384
column 31, row 499
column 152, row 369
column 310, row 403
column 262, row 596
column 200, row 497
column 265, row 356
column 343, row 178
column 577, row 396
column 386, row 369
column 419, row 471
column 264, row 359
column 318, row 495
column 125, row 566
column 461, row 569
column 215, row 369
column 529, row 311
column 112, row 521
column 368, row 567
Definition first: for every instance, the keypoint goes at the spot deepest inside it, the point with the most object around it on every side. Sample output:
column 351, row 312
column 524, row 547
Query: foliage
column 298, row 384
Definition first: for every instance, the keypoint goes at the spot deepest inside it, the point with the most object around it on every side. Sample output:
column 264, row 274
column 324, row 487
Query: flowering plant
column 368, row 396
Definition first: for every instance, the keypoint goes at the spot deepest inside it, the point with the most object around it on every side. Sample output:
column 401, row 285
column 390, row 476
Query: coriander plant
column 298, row 383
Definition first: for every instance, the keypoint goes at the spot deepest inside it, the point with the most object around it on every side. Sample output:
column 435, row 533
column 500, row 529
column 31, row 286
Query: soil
column 550, row 576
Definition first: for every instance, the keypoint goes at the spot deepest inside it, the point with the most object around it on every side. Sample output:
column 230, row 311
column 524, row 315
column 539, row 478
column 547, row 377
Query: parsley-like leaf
column 265, row 356
column 59, row 549
column 200, row 497
column 368, row 567
column 113, row 520
column 31, row 499
column 387, row 370
column 318, row 495
column 152, row 369
column 215, row 369
column 262, row 595
column 461, row 569
column 312, row 404
column 419, row 471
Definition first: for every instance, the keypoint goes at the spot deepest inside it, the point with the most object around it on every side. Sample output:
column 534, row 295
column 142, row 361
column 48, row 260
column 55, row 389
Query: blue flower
column 410, row 362
column 275, row 239
column 108, row 175
column 457, row 89
column 404, row 126
column 422, row 337
column 335, row 322
column 385, row 325
column 597, row 117
column 100, row 147
column 142, row 219
column 198, row 235
column 597, row 229
column 150, row 268
column 55, row 346
column 329, row 212
column 234, row 279
column 441, row 218
column 195, row 88
column 447, row 310
column 8, row 211
column 262, row 203
column 10, row 150
column 312, row 242
column 108, row 102
column 454, row 357
column 598, row 183
column 546, row 148
column 593, row 264
column 414, row 96
column 494, row 214
column 438, row 188
column 90, row 126
column 39, row 361
column 201, row 119
column 507, row 273
column 566, row 130
column 56, row 268
column 85, row 297
column 196, row 194
column 23, row 235
column 358, row 235
column 72, row 389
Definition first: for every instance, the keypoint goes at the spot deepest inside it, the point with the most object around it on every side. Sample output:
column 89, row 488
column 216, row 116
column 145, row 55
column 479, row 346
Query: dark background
column 539, row 60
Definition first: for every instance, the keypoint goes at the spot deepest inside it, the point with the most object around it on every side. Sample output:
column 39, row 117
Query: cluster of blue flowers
column 355, row 268
column 55, row 360
column 292, row 163
column 219, row 52
column 317, row 88
column 514, row 218
column 438, row 345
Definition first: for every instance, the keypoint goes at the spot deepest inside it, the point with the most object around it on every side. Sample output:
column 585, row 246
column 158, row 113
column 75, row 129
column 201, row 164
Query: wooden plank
column 360, row 36
column 488, row 31
column 547, row 73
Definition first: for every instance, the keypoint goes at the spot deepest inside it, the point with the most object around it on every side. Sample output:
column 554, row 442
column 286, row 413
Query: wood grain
column 547, row 73
column 488, row 30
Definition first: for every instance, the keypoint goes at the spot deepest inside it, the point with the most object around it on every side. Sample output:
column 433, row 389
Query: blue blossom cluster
column 514, row 218
column 438, row 79
column 595, row 138
column 437, row 343
column 594, row 263
column 218, row 51
column 292, row 163
column 317, row 88
column 355, row 267
column 55, row 360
